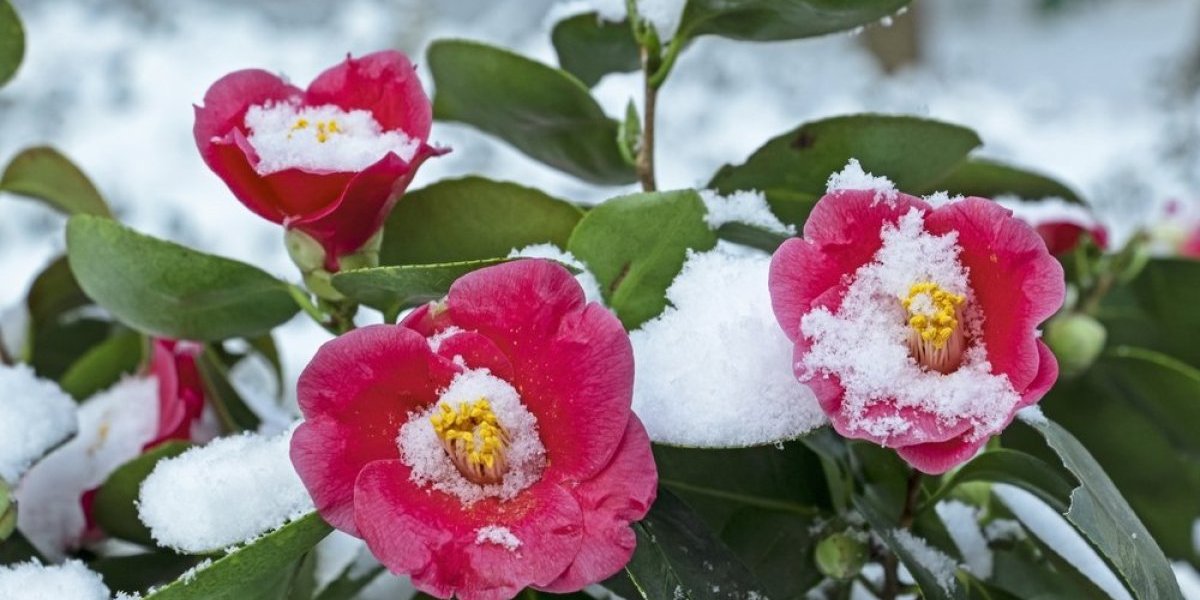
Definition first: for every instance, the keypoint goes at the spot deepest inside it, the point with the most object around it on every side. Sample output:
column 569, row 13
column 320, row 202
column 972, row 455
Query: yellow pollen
column 935, row 319
column 473, row 438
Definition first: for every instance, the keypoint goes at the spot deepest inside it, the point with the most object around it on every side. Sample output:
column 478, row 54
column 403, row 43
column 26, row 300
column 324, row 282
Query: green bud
column 320, row 282
column 366, row 257
column 306, row 252
column 8, row 512
column 842, row 555
column 1077, row 340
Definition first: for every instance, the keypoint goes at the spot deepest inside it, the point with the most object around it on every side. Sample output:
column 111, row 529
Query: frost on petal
column 715, row 369
column 320, row 138
column 34, row 416
column 220, row 495
column 33, row 581
column 747, row 207
column 853, row 177
column 591, row 287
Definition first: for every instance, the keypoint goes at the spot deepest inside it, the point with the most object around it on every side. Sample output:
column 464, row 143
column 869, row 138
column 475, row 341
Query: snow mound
column 35, row 415
column 35, row 581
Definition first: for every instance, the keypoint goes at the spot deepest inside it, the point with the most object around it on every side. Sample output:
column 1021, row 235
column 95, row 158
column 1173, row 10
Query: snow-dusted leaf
column 767, row 20
column 473, row 218
column 391, row 289
column 45, row 174
column 168, row 290
column 590, row 47
column 139, row 572
column 103, row 365
column 778, row 548
column 1016, row 468
column 114, row 508
column 934, row 571
column 989, row 179
column 542, row 111
column 12, row 42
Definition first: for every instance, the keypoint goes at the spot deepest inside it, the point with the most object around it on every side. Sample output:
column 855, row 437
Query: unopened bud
column 842, row 555
column 306, row 252
column 1077, row 340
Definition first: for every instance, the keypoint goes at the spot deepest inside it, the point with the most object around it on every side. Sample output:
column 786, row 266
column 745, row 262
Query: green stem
column 645, row 158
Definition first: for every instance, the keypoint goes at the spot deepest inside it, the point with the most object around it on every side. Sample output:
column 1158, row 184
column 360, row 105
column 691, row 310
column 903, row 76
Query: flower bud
column 841, row 555
column 306, row 252
column 8, row 512
column 1076, row 339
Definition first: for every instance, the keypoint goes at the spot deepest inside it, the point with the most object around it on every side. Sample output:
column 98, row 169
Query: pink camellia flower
column 330, row 161
column 916, row 325
column 486, row 443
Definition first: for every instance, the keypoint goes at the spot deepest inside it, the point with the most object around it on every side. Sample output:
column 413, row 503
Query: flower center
column 473, row 439
column 321, row 131
column 286, row 135
column 936, row 340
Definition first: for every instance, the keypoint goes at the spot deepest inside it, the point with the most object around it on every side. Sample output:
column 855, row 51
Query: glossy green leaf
column 542, row 111
column 54, row 292
column 1169, row 291
column 64, row 343
column 678, row 558
column 473, row 219
column 233, row 412
column 45, row 174
column 115, row 509
column 635, row 246
column 259, row 569
column 589, row 47
column 989, row 179
column 391, row 289
column 914, row 153
column 12, row 42
column 103, row 365
column 138, row 572
column 1012, row 467
column 171, row 291
column 767, row 20
column 777, row 547
column 752, row 236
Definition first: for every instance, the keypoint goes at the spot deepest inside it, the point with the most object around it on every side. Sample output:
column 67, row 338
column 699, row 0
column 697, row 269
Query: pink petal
column 384, row 83
column 938, row 457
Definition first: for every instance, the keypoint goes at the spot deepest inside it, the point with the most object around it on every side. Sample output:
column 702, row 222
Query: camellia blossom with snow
column 485, row 444
column 916, row 325
column 329, row 161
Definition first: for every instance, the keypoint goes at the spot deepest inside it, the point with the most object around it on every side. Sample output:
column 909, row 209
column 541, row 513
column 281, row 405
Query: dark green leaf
column 1016, row 468
column 138, row 572
column 1169, row 291
column 767, row 20
column 791, row 207
column 986, row 178
column 231, row 409
column 104, row 365
column 171, row 291
column 391, row 289
column 473, row 219
column 778, row 549
column 635, row 246
column 542, row 111
column 45, row 174
column 17, row 549
column 63, row 344
column 12, row 42
column 934, row 586
column 259, row 569
column 114, row 508
column 54, row 292
column 589, row 47
column 752, row 236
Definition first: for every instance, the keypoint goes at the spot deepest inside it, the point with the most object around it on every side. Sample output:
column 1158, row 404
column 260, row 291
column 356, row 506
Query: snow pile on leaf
column 68, row 581
column 746, row 207
column 35, row 415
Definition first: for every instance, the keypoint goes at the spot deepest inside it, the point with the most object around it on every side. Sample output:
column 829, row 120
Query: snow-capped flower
column 1061, row 224
column 486, row 443
column 330, row 161
column 915, row 326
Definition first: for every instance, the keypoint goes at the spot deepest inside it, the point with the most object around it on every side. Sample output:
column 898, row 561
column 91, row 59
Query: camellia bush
column 860, row 362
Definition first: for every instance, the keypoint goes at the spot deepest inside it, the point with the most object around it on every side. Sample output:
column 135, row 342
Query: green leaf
column 473, row 219
column 1012, row 467
column 259, row 569
column 12, row 42
column 589, row 47
column 171, row 291
column 115, row 506
column 768, row 20
column 635, row 246
column 751, row 235
column 231, row 409
column 678, row 558
column 392, row 289
column 987, row 178
column 350, row 582
column 54, row 292
column 914, row 153
column 45, row 174
column 138, row 572
column 1168, row 289
column 542, row 111
column 932, row 587
column 778, row 549
column 103, row 365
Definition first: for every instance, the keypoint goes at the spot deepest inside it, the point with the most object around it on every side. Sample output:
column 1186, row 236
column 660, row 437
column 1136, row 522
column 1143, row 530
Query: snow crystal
column 1052, row 528
column 866, row 343
column 34, row 416
column 940, row 566
column 591, row 287
column 962, row 521
column 34, row 581
column 714, row 369
column 320, row 138
column 189, row 575
column 114, row 425
column 421, row 449
column 664, row 15
column 1049, row 210
column 853, row 177
column 222, row 494
column 748, row 207
column 501, row 536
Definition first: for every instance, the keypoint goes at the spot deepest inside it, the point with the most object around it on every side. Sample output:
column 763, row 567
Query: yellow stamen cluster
column 473, row 439
column 935, row 327
column 324, row 128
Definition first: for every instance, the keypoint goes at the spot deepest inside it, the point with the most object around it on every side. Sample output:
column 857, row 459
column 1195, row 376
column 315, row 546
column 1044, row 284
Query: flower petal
column 328, row 455
column 384, row 83
column 938, row 457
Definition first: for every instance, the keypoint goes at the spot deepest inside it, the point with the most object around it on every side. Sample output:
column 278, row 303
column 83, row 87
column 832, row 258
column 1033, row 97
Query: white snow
column 1033, row 416
column 254, row 379
column 1053, row 529
column 1048, row 210
column 591, row 288
column 940, row 566
column 1004, row 529
column 747, row 207
column 500, row 536
column 335, row 554
column 71, row 580
column 664, row 15
column 962, row 522
column 220, row 495
column 14, row 329
column 35, row 415
column 853, row 177
column 320, row 138
column 714, row 369
column 610, row 11
column 114, row 425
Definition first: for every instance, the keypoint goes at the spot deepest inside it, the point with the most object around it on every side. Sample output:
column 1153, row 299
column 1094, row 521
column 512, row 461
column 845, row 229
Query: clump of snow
column 189, row 575
column 223, row 494
column 254, row 379
column 1049, row 210
column 865, row 344
column 421, row 449
column 114, row 425
column 34, row 416
column 33, row 581
column 14, row 329
column 1049, row 526
column 501, row 536
column 1004, row 530
column 853, row 177
column 940, row 199
column 714, row 369
column 962, row 522
column 591, row 287
column 325, row 138
column 1033, row 416
column 940, row 566
column 744, row 206
column 664, row 15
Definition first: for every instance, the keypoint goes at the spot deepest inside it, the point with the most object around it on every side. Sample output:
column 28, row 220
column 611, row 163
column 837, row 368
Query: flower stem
column 891, row 564
column 645, row 158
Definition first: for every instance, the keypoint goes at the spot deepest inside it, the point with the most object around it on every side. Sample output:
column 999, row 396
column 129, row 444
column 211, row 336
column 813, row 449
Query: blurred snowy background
column 1100, row 93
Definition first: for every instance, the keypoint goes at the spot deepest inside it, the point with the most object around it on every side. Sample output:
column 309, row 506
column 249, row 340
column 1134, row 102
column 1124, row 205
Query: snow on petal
column 71, row 580
column 747, row 207
column 320, row 138
column 34, row 416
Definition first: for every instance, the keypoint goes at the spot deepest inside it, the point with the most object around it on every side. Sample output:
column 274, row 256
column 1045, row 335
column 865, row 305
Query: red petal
column 938, row 457
column 384, row 83
column 180, row 391
column 477, row 352
column 328, row 455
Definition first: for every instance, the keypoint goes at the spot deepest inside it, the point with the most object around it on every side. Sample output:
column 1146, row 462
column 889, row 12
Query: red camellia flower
column 916, row 325
column 485, row 444
column 331, row 160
